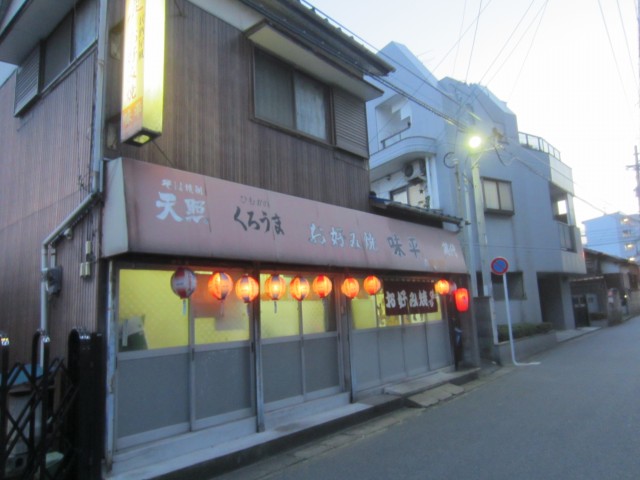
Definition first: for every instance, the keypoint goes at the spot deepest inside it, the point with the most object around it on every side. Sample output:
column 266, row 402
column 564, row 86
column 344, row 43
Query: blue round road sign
column 499, row 265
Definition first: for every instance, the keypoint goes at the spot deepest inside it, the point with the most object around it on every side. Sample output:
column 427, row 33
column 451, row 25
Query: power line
column 473, row 43
column 461, row 37
column 506, row 42
column 615, row 60
column 455, row 59
column 626, row 42
column 540, row 13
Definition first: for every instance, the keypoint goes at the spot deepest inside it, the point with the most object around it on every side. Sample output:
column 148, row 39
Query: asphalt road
column 574, row 416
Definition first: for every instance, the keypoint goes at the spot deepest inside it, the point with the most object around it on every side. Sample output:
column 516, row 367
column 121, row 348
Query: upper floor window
column 400, row 195
column 497, row 196
column 68, row 41
column 289, row 98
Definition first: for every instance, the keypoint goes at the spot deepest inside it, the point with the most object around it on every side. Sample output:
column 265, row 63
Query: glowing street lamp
column 475, row 142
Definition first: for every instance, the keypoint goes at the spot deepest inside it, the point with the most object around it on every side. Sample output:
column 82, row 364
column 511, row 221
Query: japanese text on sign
column 179, row 202
column 403, row 298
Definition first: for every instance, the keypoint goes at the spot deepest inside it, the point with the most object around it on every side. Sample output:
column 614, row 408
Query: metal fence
column 50, row 410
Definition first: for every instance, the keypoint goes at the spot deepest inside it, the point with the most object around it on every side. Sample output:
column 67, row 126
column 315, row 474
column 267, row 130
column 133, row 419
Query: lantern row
column 220, row 284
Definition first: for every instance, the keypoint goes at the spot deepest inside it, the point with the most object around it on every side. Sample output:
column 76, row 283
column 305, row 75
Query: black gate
column 50, row 411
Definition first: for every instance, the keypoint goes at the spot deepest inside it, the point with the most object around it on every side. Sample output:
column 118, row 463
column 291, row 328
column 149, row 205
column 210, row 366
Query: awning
column 159, row 210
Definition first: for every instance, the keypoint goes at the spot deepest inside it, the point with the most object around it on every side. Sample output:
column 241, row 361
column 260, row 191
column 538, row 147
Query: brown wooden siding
column 209, row 127
column 45, row 163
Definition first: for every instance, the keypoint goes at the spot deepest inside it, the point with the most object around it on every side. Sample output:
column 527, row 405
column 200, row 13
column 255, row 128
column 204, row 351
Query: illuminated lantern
column 247, row 288
column 350, row 287
column 220, row 284
column 299, row 288
column 462, row 299
column 183, row 284
column 372, row 284
column 442, row 287
column 322, row 286
column 275, row 287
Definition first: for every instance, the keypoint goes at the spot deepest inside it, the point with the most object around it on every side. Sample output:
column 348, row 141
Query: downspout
column 48, row 259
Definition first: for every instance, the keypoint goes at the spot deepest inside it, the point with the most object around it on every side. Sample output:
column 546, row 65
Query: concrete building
column 514, row 192
column 615, row 234
column 170, row 169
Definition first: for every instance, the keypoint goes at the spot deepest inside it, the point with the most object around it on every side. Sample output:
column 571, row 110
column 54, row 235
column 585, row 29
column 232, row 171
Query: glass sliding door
column 300, row 352
column 180, row 365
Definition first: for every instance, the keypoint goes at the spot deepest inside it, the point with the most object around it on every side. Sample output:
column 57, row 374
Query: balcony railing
column 538, row 143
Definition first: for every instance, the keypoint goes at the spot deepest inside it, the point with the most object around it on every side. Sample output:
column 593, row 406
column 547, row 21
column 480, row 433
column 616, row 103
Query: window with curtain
column 497, row 196
column 289, row 98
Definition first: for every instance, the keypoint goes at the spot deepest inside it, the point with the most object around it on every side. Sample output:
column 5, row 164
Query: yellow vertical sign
column 143, row 71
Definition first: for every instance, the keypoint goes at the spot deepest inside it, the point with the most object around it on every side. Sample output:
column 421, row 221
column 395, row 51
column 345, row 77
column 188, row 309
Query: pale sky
column 551, row 61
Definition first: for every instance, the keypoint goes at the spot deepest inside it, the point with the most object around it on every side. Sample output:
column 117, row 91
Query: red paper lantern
column 220, row 284
column 372, row 284
column 183, row 282
column 275, row 286
column 299, row 288
column 442, row 287
column 322, row 286
column 461, row 296
column 350, row 287
column 247, row 288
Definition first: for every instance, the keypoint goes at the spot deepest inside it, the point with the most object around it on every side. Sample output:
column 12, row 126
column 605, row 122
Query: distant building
column 615, row 234
column 609, row 292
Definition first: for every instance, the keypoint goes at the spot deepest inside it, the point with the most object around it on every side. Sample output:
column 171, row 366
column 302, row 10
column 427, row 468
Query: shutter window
column 350, row 123
column 27, row 81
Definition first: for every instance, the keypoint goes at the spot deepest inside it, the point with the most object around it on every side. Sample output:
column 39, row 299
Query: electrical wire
column 526, row 56
column 473, row 43
column 464, row 14
column 626, row 43
column 613, row 54
column 506, row 42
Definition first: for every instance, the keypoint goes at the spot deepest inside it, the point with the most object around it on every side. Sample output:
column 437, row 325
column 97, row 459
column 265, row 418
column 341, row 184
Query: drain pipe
column 48, row 252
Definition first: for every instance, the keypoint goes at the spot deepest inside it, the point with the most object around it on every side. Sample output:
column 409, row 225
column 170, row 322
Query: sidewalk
column 564, row 335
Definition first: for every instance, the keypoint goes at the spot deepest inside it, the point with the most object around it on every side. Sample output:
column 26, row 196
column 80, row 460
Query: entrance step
column 434, row 396
column 429, row 382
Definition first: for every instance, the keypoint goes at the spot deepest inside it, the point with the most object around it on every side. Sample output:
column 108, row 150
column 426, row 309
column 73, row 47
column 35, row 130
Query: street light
column 473, row 146
column 475, row 141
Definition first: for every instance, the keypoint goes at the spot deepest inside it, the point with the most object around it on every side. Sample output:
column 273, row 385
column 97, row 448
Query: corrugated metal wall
column 45, row 173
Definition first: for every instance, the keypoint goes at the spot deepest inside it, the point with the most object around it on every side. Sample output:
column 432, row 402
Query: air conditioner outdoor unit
column 413, row 175
column 409, row 171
